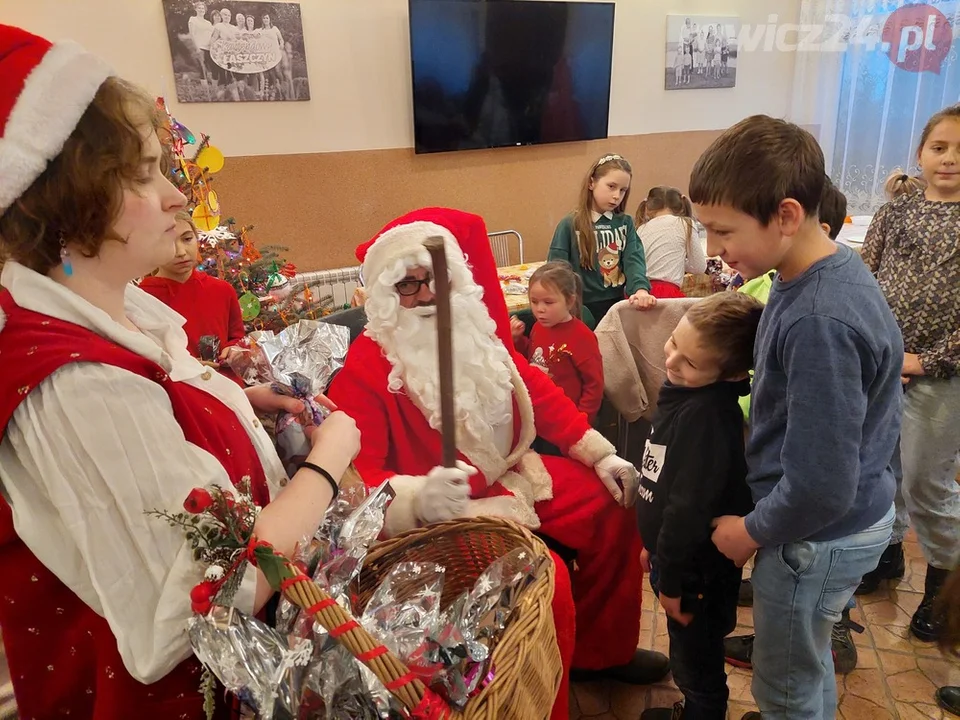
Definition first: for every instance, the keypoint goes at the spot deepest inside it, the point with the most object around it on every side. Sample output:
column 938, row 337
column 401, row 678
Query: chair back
column 507, row 246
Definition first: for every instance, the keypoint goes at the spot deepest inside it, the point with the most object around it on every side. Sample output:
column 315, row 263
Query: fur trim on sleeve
column 401, row 513
column 592, row 448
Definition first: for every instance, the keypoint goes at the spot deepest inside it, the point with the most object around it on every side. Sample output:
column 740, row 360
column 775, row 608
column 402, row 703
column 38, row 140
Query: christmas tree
column 270, row 298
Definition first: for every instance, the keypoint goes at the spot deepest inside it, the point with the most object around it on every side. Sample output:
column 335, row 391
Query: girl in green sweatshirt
column 599, row 240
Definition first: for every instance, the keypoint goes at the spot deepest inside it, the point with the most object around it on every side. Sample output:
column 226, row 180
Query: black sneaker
column 738, row 650
column 892, row 566
column 841, row 642
column 645, row 668
column 949, row 699
column 674, row 713
column 745, row 598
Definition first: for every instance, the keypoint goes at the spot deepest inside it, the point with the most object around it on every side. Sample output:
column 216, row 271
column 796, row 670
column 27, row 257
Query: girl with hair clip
column 600, row 242
column 670, row 244
column 911, row 247
column 105, row 416
column 899, row 183
column 560, row 343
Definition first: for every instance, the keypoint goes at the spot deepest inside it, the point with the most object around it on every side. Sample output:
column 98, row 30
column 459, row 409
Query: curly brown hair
column 80, row 194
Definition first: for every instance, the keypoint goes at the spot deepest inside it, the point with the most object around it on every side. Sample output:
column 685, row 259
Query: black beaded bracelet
column 323, row 473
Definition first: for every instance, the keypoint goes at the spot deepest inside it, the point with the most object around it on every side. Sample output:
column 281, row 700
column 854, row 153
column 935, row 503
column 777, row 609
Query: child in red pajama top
column 209, row 305
column 559, row 343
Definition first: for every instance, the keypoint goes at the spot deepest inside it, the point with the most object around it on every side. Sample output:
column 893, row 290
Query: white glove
column 612, row 469
column 445, row 493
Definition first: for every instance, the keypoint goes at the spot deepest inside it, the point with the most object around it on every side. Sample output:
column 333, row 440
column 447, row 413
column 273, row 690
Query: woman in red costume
column 104, row 414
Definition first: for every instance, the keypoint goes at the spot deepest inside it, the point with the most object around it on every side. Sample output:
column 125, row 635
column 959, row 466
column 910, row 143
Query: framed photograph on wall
column 236, row 51
column 701, row 52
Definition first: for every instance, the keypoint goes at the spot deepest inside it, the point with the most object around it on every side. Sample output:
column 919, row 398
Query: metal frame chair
column 500, row 244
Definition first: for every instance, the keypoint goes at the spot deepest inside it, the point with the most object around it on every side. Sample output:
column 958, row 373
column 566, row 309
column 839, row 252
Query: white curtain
column 867, row 112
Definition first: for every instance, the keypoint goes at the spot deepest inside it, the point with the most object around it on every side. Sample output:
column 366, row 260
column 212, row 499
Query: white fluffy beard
column 482, row 377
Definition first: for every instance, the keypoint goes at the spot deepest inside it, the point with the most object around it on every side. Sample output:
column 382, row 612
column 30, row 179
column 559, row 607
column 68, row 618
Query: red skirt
column 664, row 290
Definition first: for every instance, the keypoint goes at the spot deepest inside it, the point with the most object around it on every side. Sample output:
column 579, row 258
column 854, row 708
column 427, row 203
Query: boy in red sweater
column 209, row 305
column 560, row 343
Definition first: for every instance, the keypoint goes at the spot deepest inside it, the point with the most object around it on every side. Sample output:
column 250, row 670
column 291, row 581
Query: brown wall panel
column 321, row 206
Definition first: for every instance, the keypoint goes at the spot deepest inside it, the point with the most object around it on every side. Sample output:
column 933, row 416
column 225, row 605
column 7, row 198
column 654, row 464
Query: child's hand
column 671, row 606
column 645, row 560
column 642, row 300
column 911, row 367
column 517, row 328
column 732, row 539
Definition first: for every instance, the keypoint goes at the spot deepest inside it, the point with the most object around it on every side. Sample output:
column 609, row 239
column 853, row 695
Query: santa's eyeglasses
column 411, row 286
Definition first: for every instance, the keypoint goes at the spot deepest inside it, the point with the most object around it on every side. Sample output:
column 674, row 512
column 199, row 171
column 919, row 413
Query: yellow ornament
column 204, row 219
column 213, row 202
column 211, row 159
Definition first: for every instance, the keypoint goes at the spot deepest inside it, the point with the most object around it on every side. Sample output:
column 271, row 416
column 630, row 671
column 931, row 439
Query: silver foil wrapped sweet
column 251, row 660
column 299, row 361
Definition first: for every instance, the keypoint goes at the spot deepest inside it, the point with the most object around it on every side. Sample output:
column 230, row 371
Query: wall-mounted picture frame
column 237, row 51
column 701, row 52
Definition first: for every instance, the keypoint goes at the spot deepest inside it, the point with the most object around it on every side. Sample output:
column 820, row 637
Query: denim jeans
column 696, row 650
column 799, row 592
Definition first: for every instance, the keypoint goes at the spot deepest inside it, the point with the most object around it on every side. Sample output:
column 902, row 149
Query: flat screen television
column 496, row 73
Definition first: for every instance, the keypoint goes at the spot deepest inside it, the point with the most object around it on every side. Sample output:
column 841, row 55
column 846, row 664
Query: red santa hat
column 44, row 90
column 404, row 236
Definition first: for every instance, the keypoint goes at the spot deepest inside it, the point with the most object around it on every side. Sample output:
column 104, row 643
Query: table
column 853, row 233
column 514, row 280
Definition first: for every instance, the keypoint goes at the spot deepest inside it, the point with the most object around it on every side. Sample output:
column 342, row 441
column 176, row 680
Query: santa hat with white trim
column 467, row 241
column 44, row 90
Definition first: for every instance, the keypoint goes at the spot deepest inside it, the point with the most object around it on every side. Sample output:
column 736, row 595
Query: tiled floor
column 895, row 677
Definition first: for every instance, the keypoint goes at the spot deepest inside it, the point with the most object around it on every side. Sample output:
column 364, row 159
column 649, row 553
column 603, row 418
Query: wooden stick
column 435, row 247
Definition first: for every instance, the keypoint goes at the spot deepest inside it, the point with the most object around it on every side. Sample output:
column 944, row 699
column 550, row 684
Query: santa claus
column 390, row 386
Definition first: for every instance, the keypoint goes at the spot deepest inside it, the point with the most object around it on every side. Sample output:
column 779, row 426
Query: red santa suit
column 562, row 498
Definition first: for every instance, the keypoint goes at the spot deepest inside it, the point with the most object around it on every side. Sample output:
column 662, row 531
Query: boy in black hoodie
column 693, row 471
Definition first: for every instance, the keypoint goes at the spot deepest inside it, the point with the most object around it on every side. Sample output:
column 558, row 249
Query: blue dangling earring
column 65, row 258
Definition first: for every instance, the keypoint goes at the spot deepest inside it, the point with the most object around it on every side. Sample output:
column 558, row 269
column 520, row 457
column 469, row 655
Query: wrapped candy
column 405, row 608
column 458, row 653
column 251, row 659
column 338, row 687
column 208, row 347
column 299, row 361
column 357, row 534
column 315, row 552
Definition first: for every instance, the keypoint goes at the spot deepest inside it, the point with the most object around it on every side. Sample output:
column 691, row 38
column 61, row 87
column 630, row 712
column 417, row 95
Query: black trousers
column 696, row 650
column 599, row 309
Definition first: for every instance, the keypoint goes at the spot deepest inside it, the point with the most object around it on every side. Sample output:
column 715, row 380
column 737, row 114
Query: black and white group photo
column 231, row 51
column 701, row 52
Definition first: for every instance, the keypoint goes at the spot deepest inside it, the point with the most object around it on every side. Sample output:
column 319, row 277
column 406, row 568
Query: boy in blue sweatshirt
column 825, row 410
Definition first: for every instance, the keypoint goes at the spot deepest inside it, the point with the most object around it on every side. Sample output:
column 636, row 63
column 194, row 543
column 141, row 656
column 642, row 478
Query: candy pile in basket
column 409, row 628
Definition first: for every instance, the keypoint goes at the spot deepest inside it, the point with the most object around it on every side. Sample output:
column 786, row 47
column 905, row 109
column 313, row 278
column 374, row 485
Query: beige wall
column 321, row 176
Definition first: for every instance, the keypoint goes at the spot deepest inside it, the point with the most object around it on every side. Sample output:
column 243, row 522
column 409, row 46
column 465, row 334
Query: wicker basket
column 526, row 660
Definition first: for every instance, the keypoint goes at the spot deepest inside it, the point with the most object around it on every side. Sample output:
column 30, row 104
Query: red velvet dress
column 63, row 657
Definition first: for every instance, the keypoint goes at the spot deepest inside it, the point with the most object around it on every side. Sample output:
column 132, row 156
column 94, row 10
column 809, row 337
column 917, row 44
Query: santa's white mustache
column 423, row 309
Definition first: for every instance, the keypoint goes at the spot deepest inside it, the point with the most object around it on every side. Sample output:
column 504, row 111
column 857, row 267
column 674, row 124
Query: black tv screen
column 495, row 73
